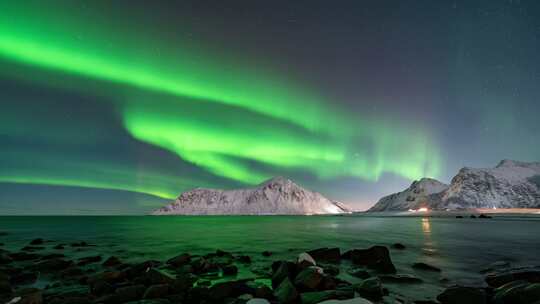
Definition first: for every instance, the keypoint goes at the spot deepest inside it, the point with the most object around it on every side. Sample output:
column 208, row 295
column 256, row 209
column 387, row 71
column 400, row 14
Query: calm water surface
column 461, row 247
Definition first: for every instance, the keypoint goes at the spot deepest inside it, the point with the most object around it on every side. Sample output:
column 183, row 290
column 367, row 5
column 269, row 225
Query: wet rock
column 53, row 256
column 71, row 272
column 110, row 277
column 258, row 301
column 125, row 294
column 328, row 255
column 5, row 286
column 227, row 289
column 305, row 260
column 156, row 291
column 314, row 297
column 23, row 256
column 309, row 278
column 140, row 269
column 89, row 260
column 229, row 270
column 348, row 301
column 24, row 278
column 59, row 247
column 32, row 248
column 497, row 279
column 376, row 257
column 30, row 296
column 155, row 276
column 286, row 292
column 5, row 259
column 182, row 283
column 179, row 260
column 398, row 246
column 100, row 288
column 517, row 292
column 358, row 273
column 331, row 269
column 80, row 244
column 38, row 241
column 284, row 270
column 51, row 265
column 426, row 267
column 263, row 291
column 473, row 216
column 266, row 253
column 459, row 216
column 370, row 288
column 244, row 259
column 222, row 253
column 111, row 261
column 401, row 279
column 461, row 294
column 484, row 216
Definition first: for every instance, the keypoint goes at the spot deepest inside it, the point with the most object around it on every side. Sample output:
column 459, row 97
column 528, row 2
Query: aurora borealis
column 154, row 99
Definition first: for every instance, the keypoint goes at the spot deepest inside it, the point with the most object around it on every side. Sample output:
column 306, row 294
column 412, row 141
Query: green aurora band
column 232, row 120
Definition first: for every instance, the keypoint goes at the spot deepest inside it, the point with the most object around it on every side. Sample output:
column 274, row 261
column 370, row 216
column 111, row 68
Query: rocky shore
column 34, row 275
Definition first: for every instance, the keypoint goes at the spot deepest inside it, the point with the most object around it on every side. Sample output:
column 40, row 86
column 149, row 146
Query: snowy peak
column 278, row 195
column 511, row 184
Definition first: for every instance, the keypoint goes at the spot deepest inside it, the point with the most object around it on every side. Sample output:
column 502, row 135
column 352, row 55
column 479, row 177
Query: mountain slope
column 511, row 184
column 418, row 195
column 275, row 196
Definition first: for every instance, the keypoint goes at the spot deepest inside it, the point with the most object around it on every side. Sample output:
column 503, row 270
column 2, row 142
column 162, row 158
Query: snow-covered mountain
column 511, row 184
column 275, row 196
column 418, row 195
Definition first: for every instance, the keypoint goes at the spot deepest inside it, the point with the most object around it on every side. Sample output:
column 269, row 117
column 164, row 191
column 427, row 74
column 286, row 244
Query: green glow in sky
column 228, row 118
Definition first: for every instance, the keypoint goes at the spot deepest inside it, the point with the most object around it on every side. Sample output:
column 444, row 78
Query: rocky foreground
column 310, row 278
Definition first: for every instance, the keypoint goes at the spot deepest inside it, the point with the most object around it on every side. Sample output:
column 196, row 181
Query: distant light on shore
column 423, row 209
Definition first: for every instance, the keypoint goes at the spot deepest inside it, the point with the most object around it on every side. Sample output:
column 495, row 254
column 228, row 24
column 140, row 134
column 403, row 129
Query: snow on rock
column 511, row 184
column 275, row 196
column 418, row 195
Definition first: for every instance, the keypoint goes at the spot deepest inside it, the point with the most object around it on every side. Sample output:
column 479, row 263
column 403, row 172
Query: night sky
column 117, row 107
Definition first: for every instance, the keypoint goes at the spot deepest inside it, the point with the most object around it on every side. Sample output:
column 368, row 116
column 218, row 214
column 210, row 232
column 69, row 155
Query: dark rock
column 128, row 293
column 264, row 292
column 222, row 290
column 221, row 253
column 100, row 288
column 180, row 260
column 286, row 292
column 182, row 283
column 473, row 216
column 460, row 294
column 156, row 291
column 517, row 292
column 141, row 268
column 38, row 241
column 51, row 265
column 426, row 267
column 398, row 246
column 401, row 279
column 358, row 273
column 331, row 270
column 329, row 255
column 459, row 216
column 111, row 277
column 244, row 259
column 71, row 272
column 484, row 216
column 24, row 278
column 3, row 233
column 5, row 287
column 266, row 253
column 314, row 297
column 370, row 288
column 80, row 244
column 305, row 260
column 309, row 278
column 5, row 259
column 230, row 270
column 59, row 247
column 284, row 270
column 52, row 256
column 32, row 248
column 23, row 256
column 531, row 275
column 155, row 276
column 30, row 296
column 376, row 257
column 89, row 260
column 111, row 261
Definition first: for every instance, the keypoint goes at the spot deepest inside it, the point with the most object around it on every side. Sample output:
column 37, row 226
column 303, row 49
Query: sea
column 463, row 248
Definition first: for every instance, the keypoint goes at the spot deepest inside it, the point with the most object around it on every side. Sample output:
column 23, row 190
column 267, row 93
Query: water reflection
column 426, row 227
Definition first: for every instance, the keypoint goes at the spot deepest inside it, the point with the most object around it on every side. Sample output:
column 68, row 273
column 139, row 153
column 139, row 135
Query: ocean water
column 462, row 248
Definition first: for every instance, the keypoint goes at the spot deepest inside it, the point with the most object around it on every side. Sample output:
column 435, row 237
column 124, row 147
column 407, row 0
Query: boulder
column 30, row 296
column 51, row 265
column 348, row 301
column 398, row 246
column 376, row 257
column 23, row 256
column 314, row 297
column 266, row 253
column 229, row 270
column 179, row 260
column 370, row 288
column 244, row 259
column 5, row 259
column 461, row 294
column 156, row 291
column 305, row 260
column 182, row 283
column 309, row 278
column 358, row 273
column 517, row 292
column 111, row 261
column 155, row 276
column 38, row 241
column 497, row 279
column 328, row 255
column 286, row 293
column 426, row 267
column 284, row 270
column 88, row 260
